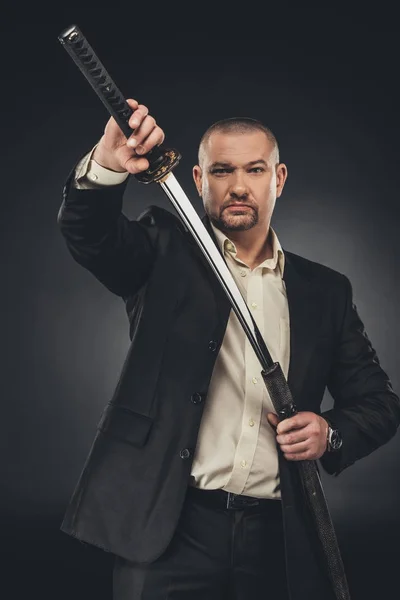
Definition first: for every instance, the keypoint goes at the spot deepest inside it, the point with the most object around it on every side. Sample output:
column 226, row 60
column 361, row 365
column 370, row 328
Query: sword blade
column 191, row 219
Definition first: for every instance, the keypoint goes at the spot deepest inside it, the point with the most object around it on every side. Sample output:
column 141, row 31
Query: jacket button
column 185, row 453
column 197, row 398
column 212, row 346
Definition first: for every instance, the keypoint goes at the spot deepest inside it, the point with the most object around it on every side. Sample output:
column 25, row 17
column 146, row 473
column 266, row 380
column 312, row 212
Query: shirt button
column 254, row 305
column 197, row 398
column 185, row 453
column 243, row 273
column 251, row 423
column 255, row 380
column 229, row 246
column 92, row 176
column 212, row 346
column 243, row 464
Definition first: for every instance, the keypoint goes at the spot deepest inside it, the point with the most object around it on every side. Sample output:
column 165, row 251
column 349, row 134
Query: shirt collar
column 227, row 246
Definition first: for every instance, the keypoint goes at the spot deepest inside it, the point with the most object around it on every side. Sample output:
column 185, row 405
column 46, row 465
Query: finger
column 132, row 103
column 273, row 419
column 155, row 139
column 302, row 419
column 300, row 456
column 138, row 115
column 294, row 437
column 142, row 132
column 297, row 448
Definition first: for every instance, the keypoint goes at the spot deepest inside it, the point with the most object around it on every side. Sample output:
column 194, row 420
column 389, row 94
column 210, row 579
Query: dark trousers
column 215, row 554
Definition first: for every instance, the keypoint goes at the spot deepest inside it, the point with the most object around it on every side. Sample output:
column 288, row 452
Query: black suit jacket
column 131, row 490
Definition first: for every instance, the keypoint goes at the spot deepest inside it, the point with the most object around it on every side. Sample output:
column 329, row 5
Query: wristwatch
column 334, row 438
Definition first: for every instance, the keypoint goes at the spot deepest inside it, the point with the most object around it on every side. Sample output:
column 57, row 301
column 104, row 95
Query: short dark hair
column 237, row 125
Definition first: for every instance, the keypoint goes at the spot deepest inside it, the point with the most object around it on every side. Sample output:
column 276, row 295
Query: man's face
column 239, row 180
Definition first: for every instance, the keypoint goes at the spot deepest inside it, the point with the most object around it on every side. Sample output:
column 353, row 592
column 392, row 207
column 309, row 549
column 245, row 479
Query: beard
column 240, row 220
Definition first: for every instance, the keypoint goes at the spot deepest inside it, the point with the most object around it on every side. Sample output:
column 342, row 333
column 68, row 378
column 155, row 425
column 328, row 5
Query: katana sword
column 161, row 162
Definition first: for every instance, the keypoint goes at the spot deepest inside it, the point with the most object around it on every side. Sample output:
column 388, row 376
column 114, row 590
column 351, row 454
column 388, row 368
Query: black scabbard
column 285, row 408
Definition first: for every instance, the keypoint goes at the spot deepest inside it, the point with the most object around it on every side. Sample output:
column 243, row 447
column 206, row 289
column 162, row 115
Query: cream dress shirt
column 236, row 447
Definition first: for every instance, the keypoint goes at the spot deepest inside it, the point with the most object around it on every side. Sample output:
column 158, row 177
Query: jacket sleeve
column 366, row 410
column 119, row 252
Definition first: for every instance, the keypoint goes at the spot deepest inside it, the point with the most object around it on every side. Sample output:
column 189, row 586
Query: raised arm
column 117, row 251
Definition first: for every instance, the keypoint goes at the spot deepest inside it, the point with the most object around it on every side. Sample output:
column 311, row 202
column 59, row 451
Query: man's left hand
column 301, row 437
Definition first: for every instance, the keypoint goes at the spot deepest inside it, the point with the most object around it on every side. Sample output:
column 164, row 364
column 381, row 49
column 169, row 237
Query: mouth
column 238, row 206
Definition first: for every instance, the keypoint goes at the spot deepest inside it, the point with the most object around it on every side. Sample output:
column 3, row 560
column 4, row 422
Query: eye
column 221, row 171
column 257, row 170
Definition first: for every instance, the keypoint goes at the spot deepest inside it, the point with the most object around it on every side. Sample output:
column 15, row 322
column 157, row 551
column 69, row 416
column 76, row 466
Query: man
column 190, row 481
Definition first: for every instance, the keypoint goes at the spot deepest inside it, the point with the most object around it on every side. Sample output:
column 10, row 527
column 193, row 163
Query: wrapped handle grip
column 161, row 160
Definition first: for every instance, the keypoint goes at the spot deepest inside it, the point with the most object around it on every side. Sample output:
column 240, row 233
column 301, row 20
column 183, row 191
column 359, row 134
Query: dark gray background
column 328, row 89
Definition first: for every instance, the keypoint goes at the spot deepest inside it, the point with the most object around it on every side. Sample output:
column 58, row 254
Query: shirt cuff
column 90, row 175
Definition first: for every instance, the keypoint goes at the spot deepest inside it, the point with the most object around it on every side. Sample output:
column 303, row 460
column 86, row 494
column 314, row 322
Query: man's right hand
column 114, row 151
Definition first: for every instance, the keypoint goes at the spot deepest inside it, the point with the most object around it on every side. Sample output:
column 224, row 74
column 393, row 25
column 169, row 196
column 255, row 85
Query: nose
column 238, row 186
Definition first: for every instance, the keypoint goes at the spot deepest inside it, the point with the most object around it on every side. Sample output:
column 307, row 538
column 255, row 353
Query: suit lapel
column 223, row 305
column 305, row 311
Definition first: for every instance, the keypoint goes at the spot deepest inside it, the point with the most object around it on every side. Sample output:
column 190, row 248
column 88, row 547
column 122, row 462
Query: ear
column 197, row 176
column 281, row 176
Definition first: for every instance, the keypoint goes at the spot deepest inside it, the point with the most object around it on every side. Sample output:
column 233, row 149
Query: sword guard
column 162, row 160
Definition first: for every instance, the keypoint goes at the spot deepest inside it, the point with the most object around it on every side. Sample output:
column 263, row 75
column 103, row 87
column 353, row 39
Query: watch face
column 335, row 440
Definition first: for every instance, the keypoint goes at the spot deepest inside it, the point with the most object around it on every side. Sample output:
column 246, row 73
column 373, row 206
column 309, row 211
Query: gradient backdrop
column 332, row 101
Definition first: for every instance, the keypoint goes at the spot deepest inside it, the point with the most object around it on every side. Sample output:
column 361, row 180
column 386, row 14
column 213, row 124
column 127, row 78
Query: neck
column 254, row 245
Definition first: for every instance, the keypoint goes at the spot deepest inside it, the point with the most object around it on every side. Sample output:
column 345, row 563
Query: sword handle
column 162, row 160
